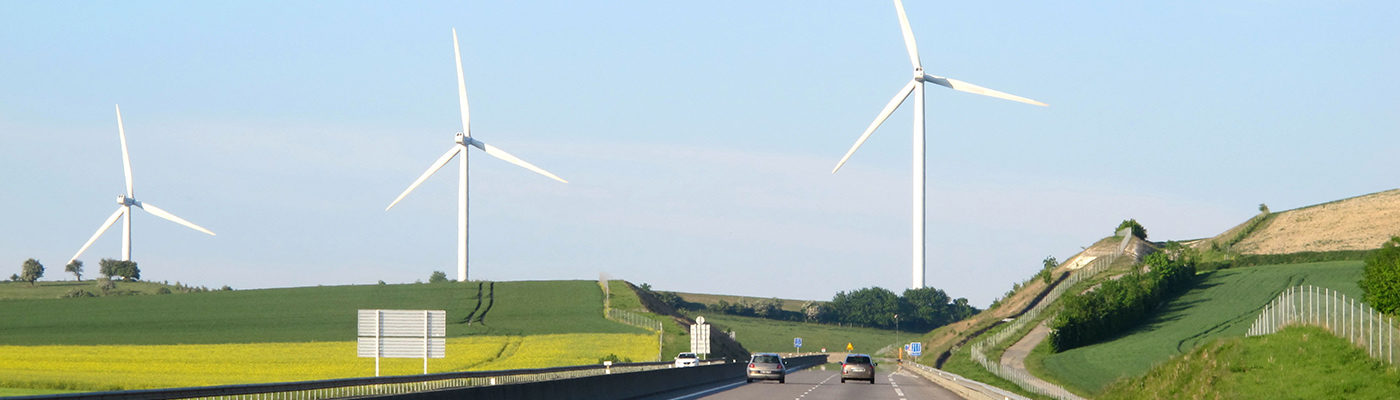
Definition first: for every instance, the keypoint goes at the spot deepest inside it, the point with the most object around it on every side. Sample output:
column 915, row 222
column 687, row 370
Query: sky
column 698, row 138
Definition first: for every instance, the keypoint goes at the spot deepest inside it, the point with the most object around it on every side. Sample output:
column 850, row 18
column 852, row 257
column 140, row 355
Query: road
column 818, row 384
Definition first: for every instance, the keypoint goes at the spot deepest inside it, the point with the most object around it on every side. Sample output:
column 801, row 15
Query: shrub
column 437, row 277
column 614, row 358
column 75, row 293
column 106, row 285
column 1137, row 228
column 1380, row 280
column 163, row 290
column 1115, row 306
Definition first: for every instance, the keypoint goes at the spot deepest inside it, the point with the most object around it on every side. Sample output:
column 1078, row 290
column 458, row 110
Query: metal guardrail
column 990, row 391
column 1343, row 316
column 354, row 387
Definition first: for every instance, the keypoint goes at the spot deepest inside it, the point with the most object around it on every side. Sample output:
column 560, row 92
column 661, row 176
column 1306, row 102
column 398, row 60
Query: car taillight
column 751, row 365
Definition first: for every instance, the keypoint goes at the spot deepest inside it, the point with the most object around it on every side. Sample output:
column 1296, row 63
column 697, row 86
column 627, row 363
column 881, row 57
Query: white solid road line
column 698, row 394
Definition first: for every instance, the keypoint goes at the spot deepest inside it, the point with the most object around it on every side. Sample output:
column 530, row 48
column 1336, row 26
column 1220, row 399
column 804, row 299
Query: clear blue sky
column 698, row 137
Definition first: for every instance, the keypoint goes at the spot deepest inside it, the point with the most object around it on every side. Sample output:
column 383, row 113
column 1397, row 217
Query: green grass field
column 298, row 314
column 1296, row 363
column 1223, row 304
column 766, row 335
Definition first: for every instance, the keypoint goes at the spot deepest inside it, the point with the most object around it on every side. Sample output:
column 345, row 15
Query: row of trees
column 32, row 270
column 1117, row 305
column 917, row 309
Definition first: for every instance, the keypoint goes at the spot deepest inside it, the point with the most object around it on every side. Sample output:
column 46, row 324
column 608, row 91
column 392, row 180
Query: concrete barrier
column 612, row 386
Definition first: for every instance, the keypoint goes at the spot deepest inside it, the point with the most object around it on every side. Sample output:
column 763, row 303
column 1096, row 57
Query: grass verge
column 1222, row 304
column 1296, row 363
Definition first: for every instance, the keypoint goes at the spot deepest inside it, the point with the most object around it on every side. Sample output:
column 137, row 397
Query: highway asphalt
column 820, row 383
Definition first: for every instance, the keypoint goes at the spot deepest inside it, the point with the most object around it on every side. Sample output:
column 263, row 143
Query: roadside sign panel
column 402, row 334
column 700, row 337
column 916, row 349
column 797, row 342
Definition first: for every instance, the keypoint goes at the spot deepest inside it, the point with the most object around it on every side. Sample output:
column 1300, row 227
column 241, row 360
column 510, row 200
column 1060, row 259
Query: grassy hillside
column 1296, row 363
column 56, row 289
column 298, row 314
column 1357, row 223
column 708, row 299
column 1222, row 304
column 766, row 335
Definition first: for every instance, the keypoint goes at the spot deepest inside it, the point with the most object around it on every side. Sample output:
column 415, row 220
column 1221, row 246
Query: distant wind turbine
column 464, row 138
column 126, row 202
column 916, row 87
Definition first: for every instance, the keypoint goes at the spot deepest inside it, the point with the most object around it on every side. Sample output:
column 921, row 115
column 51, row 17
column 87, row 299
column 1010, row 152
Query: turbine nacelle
column 462, row 138
column 919, row 74
column 127, row 201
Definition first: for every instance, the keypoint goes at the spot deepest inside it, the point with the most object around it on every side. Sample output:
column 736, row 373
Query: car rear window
column 857, row 360
column 687, row 355
column 766, row 359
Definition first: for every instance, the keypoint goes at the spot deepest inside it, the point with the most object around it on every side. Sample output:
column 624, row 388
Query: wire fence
column 1021, row 378
column 631, row 318
column 1343, row 316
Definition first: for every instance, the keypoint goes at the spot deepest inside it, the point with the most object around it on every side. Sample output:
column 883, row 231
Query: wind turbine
column 464, row 139
column 129, row 200
column 916, row 87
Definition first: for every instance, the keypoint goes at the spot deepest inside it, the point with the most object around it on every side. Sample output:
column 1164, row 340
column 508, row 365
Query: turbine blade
column 461, row 87
column 908, row 35
column 157, row 211
column 108, row 224
column 126, row 159
column 502, row 154
column 441, row 161
column 974, row 89
column 879, row 119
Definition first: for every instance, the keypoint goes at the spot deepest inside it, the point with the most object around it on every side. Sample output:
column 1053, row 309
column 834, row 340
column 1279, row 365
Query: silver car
column 858, row 367
column 768, row 366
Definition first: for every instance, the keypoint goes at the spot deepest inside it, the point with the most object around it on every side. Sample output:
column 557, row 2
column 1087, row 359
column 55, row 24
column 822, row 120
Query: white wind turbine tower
column 126, row 202
column 464, row 139
column 916, row 87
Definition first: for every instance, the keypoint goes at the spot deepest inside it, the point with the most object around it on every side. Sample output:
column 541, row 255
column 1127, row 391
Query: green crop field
column 190, row 339
column 1222, row 304
column 298, row 314
column 1296, row 363
column 766, row 335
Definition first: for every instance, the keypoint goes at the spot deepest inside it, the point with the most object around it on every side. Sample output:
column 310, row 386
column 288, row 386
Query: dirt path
column 1014, row 359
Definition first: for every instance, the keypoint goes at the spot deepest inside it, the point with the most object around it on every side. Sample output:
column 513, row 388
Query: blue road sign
column 797, row 342
column 916, row 349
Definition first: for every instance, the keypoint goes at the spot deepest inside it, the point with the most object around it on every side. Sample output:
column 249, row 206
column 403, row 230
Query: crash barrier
column 378, row 386
column 1343, row 316
column 613, row 386
column 964, row 387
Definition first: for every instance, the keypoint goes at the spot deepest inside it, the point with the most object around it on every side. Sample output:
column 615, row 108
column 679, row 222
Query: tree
column 1048, row 265
column 437, row 277
column 873, row 307
column 31, row 271
column 1380, row 280
column 127, row 270
column 1137, row 228
column 1263, row 208
column 75, row 267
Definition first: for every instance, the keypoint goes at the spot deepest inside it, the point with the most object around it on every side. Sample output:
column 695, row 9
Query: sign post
column 797, row 342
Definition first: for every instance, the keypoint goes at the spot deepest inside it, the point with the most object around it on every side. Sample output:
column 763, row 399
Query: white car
column 687, row 360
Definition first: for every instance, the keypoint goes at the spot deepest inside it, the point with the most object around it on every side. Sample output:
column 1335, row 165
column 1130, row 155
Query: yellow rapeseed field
column 126, row 367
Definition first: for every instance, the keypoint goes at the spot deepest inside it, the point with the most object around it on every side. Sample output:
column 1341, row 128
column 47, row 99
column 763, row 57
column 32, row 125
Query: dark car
column 858, row 367
column 768, row 366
